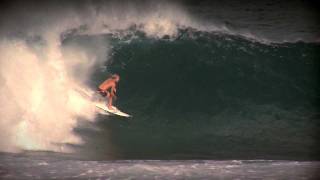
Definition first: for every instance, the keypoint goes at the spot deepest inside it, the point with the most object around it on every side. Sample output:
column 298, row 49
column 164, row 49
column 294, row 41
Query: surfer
column 108, row 89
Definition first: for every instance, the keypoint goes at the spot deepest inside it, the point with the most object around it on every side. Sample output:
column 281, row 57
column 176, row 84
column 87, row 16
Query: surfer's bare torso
column 108, row 88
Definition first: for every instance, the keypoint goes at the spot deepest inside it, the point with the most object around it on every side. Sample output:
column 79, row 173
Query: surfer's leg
column 109, row 100
column 110, row 103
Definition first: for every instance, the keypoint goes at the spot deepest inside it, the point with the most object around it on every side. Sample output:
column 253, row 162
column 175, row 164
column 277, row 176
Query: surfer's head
column 116, row 77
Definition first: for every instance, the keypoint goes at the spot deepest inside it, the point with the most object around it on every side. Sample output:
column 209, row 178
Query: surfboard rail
column 114, row 111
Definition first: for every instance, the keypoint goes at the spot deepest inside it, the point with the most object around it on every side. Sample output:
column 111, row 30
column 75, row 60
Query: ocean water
column 217, row 90
column 39, row 167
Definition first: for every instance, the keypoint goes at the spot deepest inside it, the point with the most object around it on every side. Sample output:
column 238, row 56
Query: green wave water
column 211, row 95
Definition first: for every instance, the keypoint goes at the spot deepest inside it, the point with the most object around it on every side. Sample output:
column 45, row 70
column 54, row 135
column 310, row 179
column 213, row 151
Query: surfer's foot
column 111, row 108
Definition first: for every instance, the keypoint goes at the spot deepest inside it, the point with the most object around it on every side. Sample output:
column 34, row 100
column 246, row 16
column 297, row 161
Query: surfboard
column 100, row 102
column 114, row 111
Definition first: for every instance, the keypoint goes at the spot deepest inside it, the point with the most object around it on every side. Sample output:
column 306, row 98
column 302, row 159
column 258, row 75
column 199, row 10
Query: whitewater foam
column 39, row 103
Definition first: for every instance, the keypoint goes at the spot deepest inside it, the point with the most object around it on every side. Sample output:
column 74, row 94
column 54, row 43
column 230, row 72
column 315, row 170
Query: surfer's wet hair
column 115, row 76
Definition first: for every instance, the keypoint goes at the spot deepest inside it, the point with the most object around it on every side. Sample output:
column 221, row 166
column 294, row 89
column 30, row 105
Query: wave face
column 211, row 95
